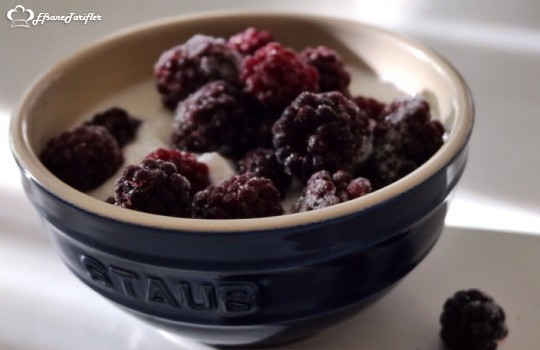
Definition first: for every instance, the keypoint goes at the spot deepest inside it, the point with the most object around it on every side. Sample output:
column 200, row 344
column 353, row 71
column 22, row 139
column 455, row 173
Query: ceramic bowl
column 250, row 282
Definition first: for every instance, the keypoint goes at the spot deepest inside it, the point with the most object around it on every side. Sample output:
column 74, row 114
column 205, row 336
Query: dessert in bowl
column 242, row 282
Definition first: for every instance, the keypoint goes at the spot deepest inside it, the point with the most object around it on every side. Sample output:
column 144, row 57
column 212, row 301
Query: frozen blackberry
column 324, row 131
column 84, row 157
column 472, row 320
column 119, row 123
column 384, row 170
column 185, row 68
column 250, row 40
column 213, row 119
column 276, row 75
column 418, row 137
column 187, row 165
column 240, row 197
column 404, row 138
column 262, row 162
column 154, row 186
column 372, row 107
column 324, row 190
column 333, row 76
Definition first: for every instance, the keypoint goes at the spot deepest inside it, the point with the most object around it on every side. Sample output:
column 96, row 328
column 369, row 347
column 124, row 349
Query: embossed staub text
column 231, row 299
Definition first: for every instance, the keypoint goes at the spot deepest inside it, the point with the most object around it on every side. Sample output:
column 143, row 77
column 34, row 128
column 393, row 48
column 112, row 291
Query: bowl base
column 259, row 336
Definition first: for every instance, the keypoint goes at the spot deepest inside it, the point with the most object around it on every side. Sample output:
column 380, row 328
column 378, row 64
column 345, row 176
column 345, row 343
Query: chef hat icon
column 19, row 16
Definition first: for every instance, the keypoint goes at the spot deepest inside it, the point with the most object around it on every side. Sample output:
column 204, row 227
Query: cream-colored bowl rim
column 34, row 170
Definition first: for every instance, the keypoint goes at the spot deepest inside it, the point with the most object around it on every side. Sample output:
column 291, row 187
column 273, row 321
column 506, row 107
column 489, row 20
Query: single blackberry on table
column 154, row 186
column 84, row 157
column 333, row 75
column 262, row 162
column 185, row 68
column 213, row 119
column 276, row 75
column 472, row 320
column 372, row 107
column 324, row 131
column 404, row 137
column 324, row 190
column 119, row 123
column 187, row 166
column 250, row 40
column 240, row 197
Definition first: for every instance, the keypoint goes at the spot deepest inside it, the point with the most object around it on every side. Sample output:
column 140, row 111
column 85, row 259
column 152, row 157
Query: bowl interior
column 117, row 71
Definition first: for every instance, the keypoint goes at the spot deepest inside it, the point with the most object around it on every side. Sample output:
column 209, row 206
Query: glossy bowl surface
column 255, row 281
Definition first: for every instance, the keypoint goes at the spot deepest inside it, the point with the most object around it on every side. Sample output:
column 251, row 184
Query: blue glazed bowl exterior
column 260, row 287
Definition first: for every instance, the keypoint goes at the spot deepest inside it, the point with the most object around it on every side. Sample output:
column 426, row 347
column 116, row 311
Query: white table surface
column 496, row 47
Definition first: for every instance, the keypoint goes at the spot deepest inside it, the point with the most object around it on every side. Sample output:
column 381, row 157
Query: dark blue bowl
column 254, row 282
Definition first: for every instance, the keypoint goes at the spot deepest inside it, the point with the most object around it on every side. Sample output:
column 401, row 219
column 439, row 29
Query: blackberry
column 242, row 196
column 357, row 187
column 404, row 138
column 384, row 170
column 276, row 75
column 472, row 320
column 119, row 123
column 213, row 119
column 187, row 165
column 372, row 107
column 417, row 136
column 324, row 131
column 333, row 76
column 84, row 157
column 250, row 40
column 262, row 162
column 324, row 190
column 154, row 186
column 185, row 68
